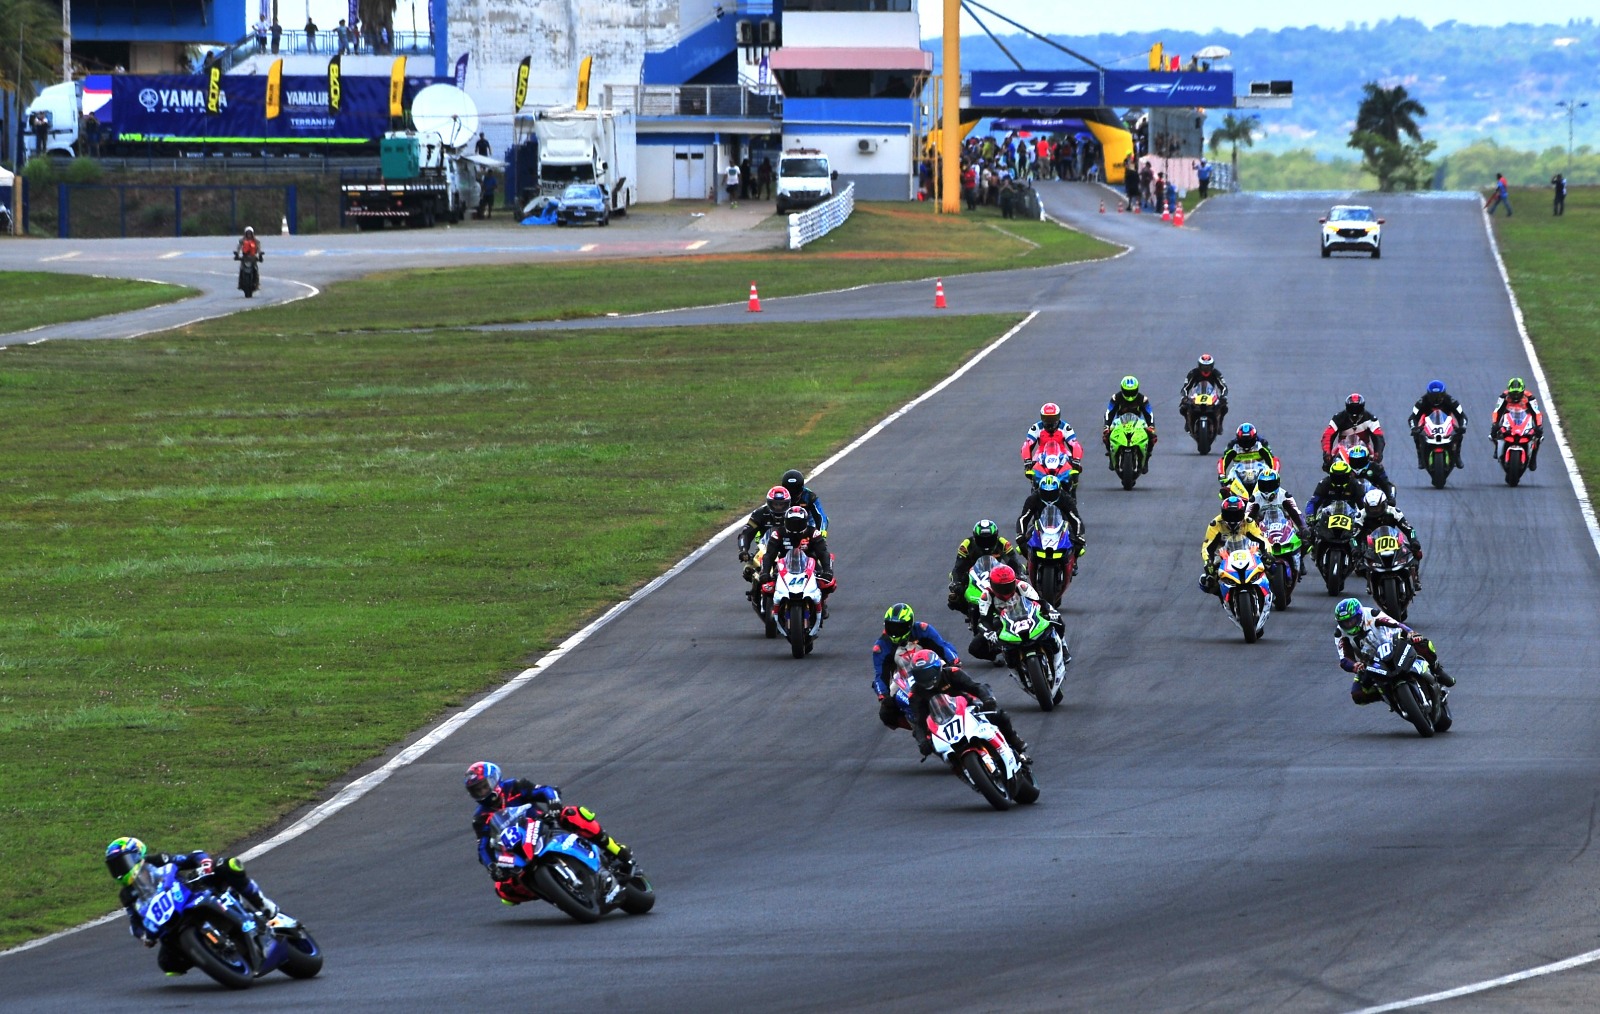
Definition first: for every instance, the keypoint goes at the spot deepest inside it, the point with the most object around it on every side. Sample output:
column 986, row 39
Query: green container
column 400, row 157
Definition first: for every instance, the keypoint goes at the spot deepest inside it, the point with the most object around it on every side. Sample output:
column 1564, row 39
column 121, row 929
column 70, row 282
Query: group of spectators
column 999, row 172
column 346, row 38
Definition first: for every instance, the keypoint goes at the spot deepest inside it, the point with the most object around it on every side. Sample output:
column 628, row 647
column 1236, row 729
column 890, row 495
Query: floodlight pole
column 1571, row 106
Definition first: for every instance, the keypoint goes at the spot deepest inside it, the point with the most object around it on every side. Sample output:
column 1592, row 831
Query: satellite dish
column 448, row 111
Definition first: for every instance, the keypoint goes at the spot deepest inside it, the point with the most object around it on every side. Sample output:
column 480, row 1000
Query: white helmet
column 249, row 230
column 1374, row 499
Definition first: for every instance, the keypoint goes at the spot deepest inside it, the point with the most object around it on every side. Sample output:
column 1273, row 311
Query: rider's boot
column 1444, row 678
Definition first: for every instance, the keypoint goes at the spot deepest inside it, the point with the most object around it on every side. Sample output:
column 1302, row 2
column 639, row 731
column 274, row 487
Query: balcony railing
column 721, row 101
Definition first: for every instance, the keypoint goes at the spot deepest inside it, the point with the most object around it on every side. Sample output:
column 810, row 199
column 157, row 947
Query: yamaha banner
column 335, row 88
column 213, row 88
column 1212, row 89
column 519, row 94
column 173, row 108
column 461, row 71
column 275, row 89
column 1060, row 89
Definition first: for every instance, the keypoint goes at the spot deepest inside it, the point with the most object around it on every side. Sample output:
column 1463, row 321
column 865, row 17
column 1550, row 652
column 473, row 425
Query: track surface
column 1220, row 829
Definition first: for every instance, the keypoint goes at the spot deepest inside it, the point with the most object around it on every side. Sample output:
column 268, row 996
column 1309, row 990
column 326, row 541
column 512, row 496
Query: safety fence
column 814, row 223
column 96, row 211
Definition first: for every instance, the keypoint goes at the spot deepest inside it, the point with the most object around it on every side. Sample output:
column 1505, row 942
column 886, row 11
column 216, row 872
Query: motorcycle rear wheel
column 797, row 629
column 1027, row 790
column 1445, row 720
column 305, row 957
column 231, row 970
column 978, row 775
column 582, row 903
column 638, row 897
column 1405, row 696
column 1033, row 668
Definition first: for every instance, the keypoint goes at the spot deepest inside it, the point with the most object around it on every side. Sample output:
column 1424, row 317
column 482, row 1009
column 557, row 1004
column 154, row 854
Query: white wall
column 655, row 172
column 893, row 154
column 878, row 30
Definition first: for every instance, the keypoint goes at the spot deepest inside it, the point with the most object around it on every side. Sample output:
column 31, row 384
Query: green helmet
column 1515, row 386
column 1347, row 614
column 986, row 537
column 897, row 622
column 1130, row 385
column 124, row 857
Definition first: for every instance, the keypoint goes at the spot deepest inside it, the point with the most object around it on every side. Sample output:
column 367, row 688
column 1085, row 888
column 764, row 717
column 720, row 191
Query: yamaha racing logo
column 177, row 100
column 1040, row 89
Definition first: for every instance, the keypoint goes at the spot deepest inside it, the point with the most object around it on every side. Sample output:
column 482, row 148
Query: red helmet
column 1003, row 582
column 778, row 499
column 1050, row 415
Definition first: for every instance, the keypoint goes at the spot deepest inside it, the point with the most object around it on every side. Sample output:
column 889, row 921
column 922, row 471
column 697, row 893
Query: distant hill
column 1476, row 82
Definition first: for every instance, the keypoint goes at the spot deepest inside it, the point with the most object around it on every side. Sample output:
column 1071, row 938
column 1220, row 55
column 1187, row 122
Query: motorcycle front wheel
column 1247, row 610
column 1203, row 435
column 582, row 901
column 1038, row 682
column 1128, row 467
column 972, row 766
column 1514, row 465
column 217, row 954
column 797, row 629
column 1439, row 468
column 1332, row 564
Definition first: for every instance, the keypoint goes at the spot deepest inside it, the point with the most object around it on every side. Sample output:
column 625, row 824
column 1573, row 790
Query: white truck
column 586, row 146
column 61, row 104
column 804, row 179
column 421, row 181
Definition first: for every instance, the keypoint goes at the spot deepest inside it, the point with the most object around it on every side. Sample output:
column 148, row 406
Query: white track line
column 439, row 733
column 1587, row 507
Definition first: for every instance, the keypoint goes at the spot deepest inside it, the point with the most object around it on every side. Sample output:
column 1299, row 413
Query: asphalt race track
column 1220, row 830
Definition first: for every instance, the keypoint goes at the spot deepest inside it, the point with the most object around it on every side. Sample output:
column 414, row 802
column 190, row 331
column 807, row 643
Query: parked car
column 583, row 202
column 1351, row 227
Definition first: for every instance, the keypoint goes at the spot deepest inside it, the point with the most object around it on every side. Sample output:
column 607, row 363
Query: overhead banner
column 275, row 89
column 1060, row 89
column 334, row 88
column 213, row 88
column 152, row 107
column 520, row 93
column 397, row 86
column 1210, row 88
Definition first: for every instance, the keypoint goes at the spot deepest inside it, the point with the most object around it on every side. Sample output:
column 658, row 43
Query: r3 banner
column 1089, row 89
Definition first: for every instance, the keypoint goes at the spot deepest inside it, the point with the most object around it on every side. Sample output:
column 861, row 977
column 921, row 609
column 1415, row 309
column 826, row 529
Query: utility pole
column 1571, row 106
column 950, row 118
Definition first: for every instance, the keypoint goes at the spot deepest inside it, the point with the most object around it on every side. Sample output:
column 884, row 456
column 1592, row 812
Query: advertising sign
column 172, row 108
column 1213, row 88
column 1054, row 89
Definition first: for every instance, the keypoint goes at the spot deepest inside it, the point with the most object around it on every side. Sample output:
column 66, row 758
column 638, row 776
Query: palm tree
column 1235, row 130
column 30, row 46
column 1388, row 112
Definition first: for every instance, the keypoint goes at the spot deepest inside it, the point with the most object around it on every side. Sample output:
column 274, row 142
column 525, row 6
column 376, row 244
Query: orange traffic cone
column 1102, row 207
column 1166, row 211
column 1138, row 209
column 1177, row 217
column 755, row 300
column 938, row 294
column 1121, row 207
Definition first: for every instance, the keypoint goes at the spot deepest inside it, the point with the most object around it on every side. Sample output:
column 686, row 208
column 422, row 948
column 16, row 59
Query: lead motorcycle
column 797, row 601
column 1129, row 447
column 975, row 749
column 1204, row 401
column 1052, row 558
column 570, row 872
column 1386, row 561
column 1407, row 683
column 218, row 933
column 1244, row 586
column 1515, row 434
column 1333, row 531
column 249, row 272
column 1438, row 432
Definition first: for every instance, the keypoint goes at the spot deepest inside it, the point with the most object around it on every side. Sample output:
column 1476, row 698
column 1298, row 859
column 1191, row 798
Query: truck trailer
column 584, row 146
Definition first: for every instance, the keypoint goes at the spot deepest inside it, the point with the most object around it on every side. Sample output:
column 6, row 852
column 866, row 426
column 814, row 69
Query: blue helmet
column 1435, row 387
column 483, row 780
column 124, row 858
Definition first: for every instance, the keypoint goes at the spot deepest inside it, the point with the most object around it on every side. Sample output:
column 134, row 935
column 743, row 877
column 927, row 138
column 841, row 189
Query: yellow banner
column 214, row 89
column 397, row 88
column 334, row 89
column 275, row 89
column 1156, row 60
column 583, row 82
column 520, row 95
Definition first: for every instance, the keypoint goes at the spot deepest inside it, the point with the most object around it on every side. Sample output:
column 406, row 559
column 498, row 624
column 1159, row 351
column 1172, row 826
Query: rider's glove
column 744, row 557
column 1350, row 665
column 925, row 747
column 953, row 601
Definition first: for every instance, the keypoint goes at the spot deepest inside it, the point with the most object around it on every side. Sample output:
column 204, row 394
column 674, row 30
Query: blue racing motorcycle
column 571, row 873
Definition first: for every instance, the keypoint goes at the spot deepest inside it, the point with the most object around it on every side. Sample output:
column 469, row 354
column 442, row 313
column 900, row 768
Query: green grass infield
column 30, row 299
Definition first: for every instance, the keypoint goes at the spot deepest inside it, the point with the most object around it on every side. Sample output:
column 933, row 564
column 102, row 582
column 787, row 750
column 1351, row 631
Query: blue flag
column 461, row 71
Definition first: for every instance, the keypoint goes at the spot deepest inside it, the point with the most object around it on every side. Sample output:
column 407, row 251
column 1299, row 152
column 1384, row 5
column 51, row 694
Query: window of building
column 848, row 84
column 847, row 5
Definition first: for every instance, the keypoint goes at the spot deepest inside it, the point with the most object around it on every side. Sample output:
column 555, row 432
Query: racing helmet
column 1516, row 385
column 1339, row 471
column 249, row 230
column 1130, row 385
column 1355, row 403
column 1003, row 582
column 1349, row 616
column 796, row 521
column 1435, row 387
column 124, row 857
column 483, row 780
column 1233, row 511
column 897, row 622
column 925, row 668
column 794, row 481
column 1050, row 488
column 778, row 499
column 1050, row 416
column 1374, row 500
column 1206, row 364
column 1246, row 436
column 1360, row 459
column 986, row 537
column 1268, row 482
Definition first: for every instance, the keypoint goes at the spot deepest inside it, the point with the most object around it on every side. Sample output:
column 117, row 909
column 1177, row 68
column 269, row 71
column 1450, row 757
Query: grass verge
column 30, row 299
column 1552, row 262
column 880, row 243
column 239, row 567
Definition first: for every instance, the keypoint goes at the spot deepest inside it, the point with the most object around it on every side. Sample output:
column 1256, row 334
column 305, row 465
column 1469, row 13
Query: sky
column 1057, row 17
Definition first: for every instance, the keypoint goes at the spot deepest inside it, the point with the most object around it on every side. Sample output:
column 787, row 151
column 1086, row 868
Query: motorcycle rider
column 1051, row 435
column 930, row 676
column 1354, row 626
column 248, row 252
column 1368, row 471
column 801, row 495
column 493, row 793
column 1004, row 586
column 1437, row 399
column 1205, row 371
column 1378, row 510
column 1516, row 395
column 131, row 864
column 798, row 531
column 985, row 540
column 902, row 631
column 1247, row 445
column 761, row 521
column 1339, row 484
column 1357, row 422
column 1049, row 489
column 1233, row 520
column 1270, row 493
column 1128, row 399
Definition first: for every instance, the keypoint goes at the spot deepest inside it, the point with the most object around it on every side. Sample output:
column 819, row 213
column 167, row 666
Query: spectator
column 277, row 33
column 1130, row 180
column 1147, row 179
column 731, row 182
column 745, row 178
column 39, row 123
column 355, row 36
column 1559, row 184
column 486, row 195
column 341, row 35
column 969, row 186
column 1500, row 195
column 1203, row 174
column 311, row 35
column 482, row 147
column 91, row 135
column 1159, row 190
column 261, row 35
column 765, row 175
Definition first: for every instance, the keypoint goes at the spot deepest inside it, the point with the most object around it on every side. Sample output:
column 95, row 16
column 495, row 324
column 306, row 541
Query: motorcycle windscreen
column 1050, row 531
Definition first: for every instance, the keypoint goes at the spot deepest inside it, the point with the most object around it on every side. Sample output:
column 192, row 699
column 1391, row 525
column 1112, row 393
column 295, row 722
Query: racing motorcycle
column 1407, row 683
column 964, row 738
column 1245, row 588
column 1245, row 473
column 218, row 933
column 1287, row 559
column 1025, row 638
column 1386, row 561
column 1129, row 447
column 1205, row 414
column 1438, row 438
column 1333, row 531
column 797, row 601
column 249, row 272
column 1516, row 443
column 1051, row 555
column 570, row 872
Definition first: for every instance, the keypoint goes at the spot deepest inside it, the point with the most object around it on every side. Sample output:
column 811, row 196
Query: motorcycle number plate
column 1239, row 559
column 1339, row 521
column 161, row 908
column 1021, row 627
column 951, row 731
column 1202, row 399
column 1386, row 544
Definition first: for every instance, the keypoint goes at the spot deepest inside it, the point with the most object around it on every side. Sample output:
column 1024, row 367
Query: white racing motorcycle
column 797, row 601
column 964, row 738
